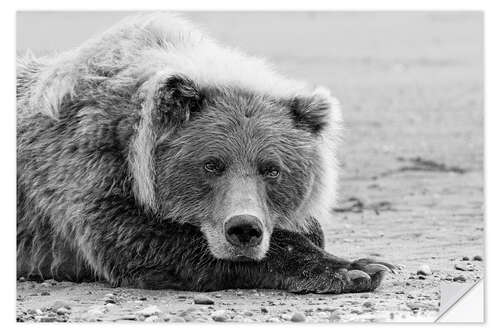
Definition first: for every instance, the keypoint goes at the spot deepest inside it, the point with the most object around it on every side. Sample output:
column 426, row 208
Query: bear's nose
column 244, row 230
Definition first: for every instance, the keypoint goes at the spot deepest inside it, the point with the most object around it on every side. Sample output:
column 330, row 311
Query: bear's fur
column 113, row 138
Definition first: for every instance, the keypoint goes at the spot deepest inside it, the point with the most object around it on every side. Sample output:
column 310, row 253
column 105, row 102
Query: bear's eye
column 271, row 171
column 214, row 166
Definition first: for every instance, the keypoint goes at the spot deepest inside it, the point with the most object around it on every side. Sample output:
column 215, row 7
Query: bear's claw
column 372, row 274
column 357, row 274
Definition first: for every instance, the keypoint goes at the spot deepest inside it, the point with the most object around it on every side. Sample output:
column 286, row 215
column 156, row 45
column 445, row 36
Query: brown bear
column 153, row 157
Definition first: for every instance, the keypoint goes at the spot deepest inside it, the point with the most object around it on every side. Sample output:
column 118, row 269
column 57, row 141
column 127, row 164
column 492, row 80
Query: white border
column 8, row 201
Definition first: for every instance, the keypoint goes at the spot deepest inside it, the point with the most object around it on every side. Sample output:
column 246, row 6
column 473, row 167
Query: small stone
column 45, row 293
column 298, row 317
column 286, row 316
column 128, row 317
column 459, row 278
column 202, row 299
column 152, row 319
column 218, row 296
column 424, row 270
column 239, row 293
column 273, row 320
column 60, row 304
column 477, row 258
column 248, row 313
column 465, row 258
column 177, row 320
column 63, row 311
column 22, row 279
column 264, row 310
column 220, row 316
column 149, row 311
column 145, row 298
column 368, row 304
column 465, row 268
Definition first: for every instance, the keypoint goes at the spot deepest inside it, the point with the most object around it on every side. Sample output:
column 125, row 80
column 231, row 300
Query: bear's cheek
column 183, row 191
column 286, row 196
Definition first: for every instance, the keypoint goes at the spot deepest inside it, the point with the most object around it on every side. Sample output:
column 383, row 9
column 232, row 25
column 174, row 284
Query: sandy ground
column 412, row 158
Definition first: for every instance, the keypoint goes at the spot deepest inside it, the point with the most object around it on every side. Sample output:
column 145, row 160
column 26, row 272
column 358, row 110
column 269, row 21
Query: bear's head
column 236, row 163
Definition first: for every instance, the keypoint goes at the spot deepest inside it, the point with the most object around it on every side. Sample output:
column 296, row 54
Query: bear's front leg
column 304, row 267
column 136, row 251
column 293, row 263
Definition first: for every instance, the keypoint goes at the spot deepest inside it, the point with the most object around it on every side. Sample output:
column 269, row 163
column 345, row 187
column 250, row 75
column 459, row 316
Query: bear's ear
column 178, row 100
column 313, row 112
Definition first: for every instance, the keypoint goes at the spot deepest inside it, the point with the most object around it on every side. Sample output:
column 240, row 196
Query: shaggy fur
column 112, row 138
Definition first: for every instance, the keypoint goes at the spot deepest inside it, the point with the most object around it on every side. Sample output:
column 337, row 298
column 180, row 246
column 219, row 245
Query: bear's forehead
column 237, row 108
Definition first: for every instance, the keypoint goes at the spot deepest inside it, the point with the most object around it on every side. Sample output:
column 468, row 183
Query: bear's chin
column 226, row 251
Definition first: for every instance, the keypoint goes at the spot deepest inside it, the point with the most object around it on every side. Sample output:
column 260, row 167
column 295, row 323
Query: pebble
column 459, row 278
column 466, row 268
column 424, row 270
column 477, row 258
column 248, row 313
column 60, row 304
column 63, row 311
column 264, row 310
column 176, row 320
column 465, row 259
column 273, row 320
column 298, row 317
column 152, row 319
column 44, row 293
column 239, row 293
column 202, row 299
column 220, row 316
column 368, row 304
column 22, row 279
column 149, row 311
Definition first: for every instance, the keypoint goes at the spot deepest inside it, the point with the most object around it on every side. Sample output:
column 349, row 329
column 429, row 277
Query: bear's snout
column 244, row 231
